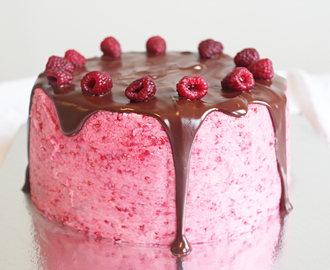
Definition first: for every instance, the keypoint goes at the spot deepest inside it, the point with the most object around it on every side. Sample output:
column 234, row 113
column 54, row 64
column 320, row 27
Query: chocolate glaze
column 181, row 118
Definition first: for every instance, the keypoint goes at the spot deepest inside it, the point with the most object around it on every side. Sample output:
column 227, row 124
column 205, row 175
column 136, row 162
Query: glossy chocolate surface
column 181, row 118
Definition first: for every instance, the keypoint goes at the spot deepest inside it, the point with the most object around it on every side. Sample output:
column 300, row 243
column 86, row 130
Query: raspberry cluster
column 260, row 68
column 249, row 66
column 59, row 70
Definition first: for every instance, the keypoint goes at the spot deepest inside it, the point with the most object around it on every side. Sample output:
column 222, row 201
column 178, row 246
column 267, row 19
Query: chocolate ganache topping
column 181, row 118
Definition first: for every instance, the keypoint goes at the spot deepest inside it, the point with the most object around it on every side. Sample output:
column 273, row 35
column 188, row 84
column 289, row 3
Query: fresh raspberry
column 96, row 83
column 76, row 58
column 59, row 77
column 141, row 89
column 240, row 79
column 192, row 87
column 110, row 46
column 262, row 69
column 209, row 48
column 246, row 57
column 156, row 45
column 59, row 63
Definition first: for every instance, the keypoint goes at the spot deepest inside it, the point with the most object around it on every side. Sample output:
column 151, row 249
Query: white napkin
column 312, row 95
column 14, row 110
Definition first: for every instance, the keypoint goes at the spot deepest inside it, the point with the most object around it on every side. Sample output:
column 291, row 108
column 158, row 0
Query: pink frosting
column 115, row 178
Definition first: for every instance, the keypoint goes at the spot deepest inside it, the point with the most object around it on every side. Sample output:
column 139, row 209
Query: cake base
column 62, row 247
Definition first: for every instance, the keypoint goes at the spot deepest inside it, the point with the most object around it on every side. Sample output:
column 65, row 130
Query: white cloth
column 14, row 109
column 310, row 95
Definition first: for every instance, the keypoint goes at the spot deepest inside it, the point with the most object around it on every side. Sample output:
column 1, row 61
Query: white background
column 292, row 33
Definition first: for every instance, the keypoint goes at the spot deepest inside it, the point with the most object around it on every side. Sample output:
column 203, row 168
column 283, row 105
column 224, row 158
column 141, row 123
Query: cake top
column 182, row 88
column 166, row 70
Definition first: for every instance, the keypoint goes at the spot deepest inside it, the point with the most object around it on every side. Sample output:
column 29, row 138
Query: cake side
column 107, row 179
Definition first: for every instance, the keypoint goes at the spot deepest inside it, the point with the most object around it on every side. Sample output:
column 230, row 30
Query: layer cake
column 168, row 171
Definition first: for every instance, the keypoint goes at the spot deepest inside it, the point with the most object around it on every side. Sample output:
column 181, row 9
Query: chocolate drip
column 180, row 118
column 26, row 188
column 180, row 264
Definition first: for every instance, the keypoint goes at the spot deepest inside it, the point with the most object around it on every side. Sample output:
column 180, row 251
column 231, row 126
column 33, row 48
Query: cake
column 168, row 170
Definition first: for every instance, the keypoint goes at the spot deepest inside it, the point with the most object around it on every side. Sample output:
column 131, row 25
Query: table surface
column 305, row 239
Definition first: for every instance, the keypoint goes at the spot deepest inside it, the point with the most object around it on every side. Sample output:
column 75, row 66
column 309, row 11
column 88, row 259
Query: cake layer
column 115, row 178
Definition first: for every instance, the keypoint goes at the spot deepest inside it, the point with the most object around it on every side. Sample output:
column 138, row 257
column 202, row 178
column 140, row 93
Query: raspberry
column 110, row 46
column 59, row 77
column 240, row 79
column 96, row 83
column 141, row 89
column 209, row 48
column 262, row 69
column 246, row 57
column 76, row 58
column 192, row 87
column 59, row 63
column 156, row 45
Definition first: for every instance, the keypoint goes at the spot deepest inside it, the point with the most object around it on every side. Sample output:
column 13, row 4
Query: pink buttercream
column 115, row 178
